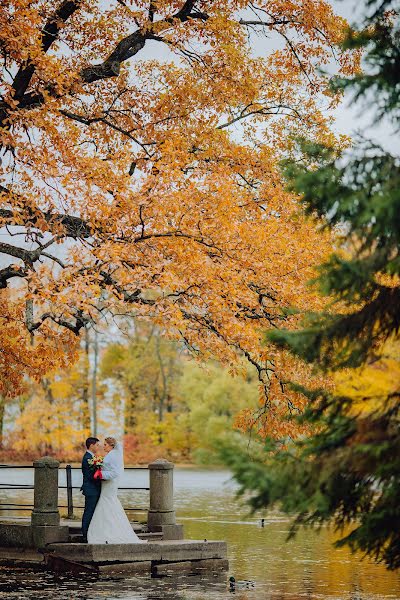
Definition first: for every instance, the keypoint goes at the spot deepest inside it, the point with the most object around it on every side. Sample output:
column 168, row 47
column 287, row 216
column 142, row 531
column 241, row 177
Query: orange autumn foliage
column 152, row 184
column 19, row 358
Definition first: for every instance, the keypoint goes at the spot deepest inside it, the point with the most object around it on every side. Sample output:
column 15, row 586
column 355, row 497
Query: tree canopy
column 135, row 180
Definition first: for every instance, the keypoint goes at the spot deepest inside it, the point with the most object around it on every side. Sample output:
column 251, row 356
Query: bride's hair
column 111, row 441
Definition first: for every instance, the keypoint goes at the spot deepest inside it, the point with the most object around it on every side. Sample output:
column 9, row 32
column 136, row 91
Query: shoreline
column 63, row 464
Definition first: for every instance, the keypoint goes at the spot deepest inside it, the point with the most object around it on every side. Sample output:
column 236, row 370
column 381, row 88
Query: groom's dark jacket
column 90, row 486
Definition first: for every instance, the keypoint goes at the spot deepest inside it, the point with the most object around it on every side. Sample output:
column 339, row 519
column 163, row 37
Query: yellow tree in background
column 378, row 378
column 154, row 183
column 55, row 416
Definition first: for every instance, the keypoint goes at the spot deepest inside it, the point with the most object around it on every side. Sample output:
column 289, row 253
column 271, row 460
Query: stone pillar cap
column 46, row 461
column 162, row 464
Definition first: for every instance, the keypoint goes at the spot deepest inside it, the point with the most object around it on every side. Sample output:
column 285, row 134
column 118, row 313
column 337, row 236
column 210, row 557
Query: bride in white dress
column 109, row 524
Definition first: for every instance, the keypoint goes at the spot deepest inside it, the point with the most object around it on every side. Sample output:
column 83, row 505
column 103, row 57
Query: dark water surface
column 305, row 568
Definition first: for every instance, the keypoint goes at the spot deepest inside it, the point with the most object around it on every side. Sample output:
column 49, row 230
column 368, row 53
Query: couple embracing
column 104, row 520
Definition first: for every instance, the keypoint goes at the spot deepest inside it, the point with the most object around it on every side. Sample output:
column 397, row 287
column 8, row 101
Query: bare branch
column 261, row 23
column 92, row 120
column 176, row 234
column 54, row 258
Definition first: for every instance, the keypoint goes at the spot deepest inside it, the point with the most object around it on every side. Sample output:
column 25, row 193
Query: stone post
column 45, row 519
column 45, row 502
column 161, row 515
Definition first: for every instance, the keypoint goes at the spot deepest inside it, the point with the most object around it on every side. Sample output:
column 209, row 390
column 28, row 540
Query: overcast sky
column 353, row 119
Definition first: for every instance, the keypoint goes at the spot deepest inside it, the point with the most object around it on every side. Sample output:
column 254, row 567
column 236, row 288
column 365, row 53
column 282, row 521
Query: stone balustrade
column 45, row 526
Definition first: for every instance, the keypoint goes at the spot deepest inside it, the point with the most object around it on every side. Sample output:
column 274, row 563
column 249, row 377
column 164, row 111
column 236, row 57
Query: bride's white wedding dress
column 109, row 524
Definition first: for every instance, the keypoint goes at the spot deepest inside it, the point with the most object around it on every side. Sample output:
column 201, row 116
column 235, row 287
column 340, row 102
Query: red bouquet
column 96, row 462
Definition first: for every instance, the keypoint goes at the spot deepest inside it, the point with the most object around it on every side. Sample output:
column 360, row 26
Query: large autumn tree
column 139, row 146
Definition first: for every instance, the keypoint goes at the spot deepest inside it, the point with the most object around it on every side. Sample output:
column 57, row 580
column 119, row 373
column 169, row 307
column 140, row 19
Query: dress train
column 109, row 524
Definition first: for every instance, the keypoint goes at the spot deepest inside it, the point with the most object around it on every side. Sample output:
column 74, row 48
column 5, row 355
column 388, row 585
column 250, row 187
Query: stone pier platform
column 49, row 542
column 153, row 558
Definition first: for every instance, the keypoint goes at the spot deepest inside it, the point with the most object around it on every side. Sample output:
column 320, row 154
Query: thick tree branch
column 74, row 227
column 125, row 49
column 25, row 255
column 29, row 257
column 10, row 272
column 49, row 35
column 131, row 44
column 80, row 321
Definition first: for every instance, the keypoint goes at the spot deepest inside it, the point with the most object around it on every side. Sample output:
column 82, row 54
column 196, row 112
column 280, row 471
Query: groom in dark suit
column 90, row 487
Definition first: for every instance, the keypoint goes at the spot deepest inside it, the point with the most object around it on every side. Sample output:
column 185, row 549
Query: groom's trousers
column 90, row 505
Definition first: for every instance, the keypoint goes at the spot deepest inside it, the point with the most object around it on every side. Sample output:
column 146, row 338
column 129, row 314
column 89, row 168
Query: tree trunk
column 130, row 410
column 94, row 381
column 163, row 393
column 85, row 384
column 2, row 411
column 46, row 387
column 169, row 403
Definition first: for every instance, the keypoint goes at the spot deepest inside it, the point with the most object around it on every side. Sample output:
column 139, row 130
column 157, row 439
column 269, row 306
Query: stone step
column 75, row 527
column 210, row 565
column 72, row 524
column 154, row 551
column 216, row 567
column 16, row 556
column 78, row 539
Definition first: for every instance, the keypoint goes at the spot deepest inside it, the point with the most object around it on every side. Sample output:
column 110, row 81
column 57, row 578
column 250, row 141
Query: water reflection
column 23, row 584
column 305, row 568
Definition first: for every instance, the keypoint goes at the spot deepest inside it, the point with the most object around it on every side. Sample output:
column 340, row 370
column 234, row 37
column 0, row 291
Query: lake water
column 307, row 567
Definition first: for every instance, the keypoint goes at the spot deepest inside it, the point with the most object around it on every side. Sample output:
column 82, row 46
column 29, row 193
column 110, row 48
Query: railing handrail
column 16, row 466
column 68, row 487
column 77, row 487
column 16, row 486
column 29, row 506
column 46, row 477
column 64, row 465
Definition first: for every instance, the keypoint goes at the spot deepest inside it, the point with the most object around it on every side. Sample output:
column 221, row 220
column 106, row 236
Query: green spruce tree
column 347, row 472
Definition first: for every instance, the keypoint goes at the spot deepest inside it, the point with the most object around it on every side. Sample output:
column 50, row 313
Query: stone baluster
column 45, row 511
column 161, row 515
column 45, row 518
